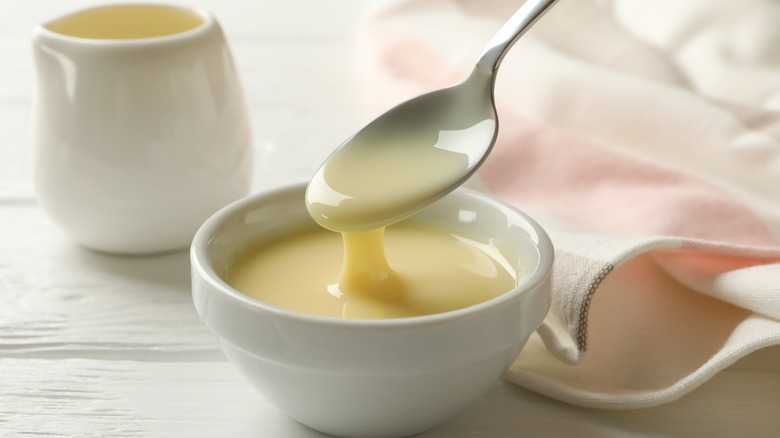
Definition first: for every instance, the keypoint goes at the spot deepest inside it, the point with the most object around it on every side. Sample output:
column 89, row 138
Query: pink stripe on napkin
column 604, row 191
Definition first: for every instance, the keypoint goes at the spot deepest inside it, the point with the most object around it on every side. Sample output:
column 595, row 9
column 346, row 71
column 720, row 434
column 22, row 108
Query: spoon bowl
column 418, row 151
column 409, row 157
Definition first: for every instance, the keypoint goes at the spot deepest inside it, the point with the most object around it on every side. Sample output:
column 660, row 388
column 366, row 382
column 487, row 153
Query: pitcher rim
column 41, row 29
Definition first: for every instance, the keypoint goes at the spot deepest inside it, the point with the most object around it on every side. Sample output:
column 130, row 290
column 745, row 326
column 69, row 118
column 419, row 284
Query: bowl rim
column 200, row 265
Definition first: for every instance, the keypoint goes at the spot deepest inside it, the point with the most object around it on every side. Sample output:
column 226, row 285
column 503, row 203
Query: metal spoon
column 418, row 151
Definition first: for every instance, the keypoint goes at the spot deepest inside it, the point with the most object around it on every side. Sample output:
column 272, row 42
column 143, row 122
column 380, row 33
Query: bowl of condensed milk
column 472, row 284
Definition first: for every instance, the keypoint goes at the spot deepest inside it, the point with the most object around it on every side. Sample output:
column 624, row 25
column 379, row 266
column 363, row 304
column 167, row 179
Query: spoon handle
column 510, row 32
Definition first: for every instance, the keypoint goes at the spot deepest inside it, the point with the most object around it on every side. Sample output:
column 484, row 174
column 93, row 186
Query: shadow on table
column 170, row 270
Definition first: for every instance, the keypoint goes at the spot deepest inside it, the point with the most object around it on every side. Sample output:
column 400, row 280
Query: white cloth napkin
column 645, row 137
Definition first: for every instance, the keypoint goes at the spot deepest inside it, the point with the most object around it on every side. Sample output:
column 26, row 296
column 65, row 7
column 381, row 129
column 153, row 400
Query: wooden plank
column 60, row 300
column 89, row 398
column 79, row 397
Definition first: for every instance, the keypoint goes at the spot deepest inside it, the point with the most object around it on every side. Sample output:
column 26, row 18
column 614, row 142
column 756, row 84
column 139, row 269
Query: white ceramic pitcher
column 140, row 129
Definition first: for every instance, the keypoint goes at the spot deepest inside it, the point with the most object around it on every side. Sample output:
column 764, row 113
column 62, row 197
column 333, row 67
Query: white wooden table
column 98, row 345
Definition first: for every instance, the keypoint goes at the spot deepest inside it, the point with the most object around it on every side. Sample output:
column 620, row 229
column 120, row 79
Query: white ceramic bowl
column 371, row 378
